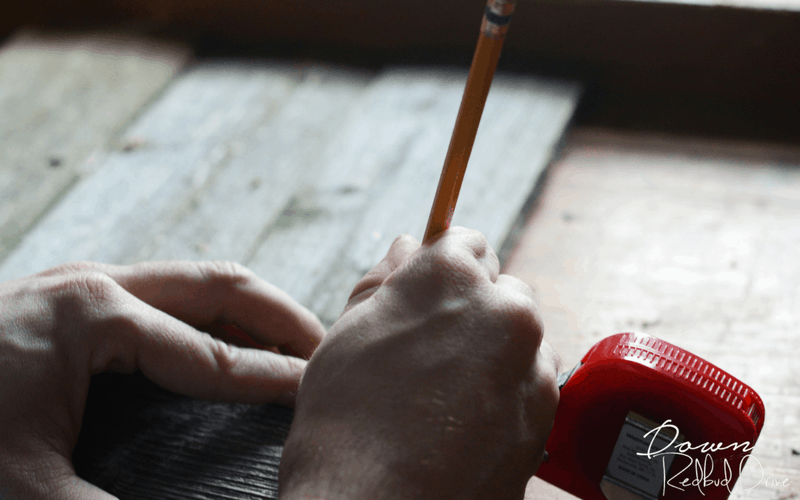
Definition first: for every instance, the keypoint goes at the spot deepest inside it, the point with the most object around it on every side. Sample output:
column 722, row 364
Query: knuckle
column 447, row 254
column 474, row 240
column 83, row 284
column 463, row 254
column 68, row 268
column 479, row 242
column 226, row 356
column 404, row 238
column 225, row 273
column 524, row 318
column 91, row 300
column 97, row 284
column 453, row 267
column 454, row 257
column 223, row 354
column 93, row 289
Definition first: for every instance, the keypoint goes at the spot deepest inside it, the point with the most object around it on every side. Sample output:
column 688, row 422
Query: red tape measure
column 640, row 418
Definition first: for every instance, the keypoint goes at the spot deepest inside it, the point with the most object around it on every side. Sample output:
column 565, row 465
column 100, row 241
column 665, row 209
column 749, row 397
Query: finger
column 182, row 359
column 516, row 285
column 402, row 247
column 546, row 367
column 544, row 401
column 549, row 362
column 524, row 297
column 204, row 293
column 235, row 336
column 75, row 488
column 513, row 285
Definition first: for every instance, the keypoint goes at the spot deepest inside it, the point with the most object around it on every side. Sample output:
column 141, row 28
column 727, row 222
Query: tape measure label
column 636, row 474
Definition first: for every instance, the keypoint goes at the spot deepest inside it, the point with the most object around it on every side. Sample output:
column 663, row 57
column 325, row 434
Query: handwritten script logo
column 702, row 470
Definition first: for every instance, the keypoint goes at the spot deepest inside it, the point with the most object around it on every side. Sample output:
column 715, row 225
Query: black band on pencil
column 495, row 19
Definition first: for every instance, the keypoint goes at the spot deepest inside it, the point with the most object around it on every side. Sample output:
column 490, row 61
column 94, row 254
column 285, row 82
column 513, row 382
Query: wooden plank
column 133, row 208
column 123, row 209
column 63, row 99
column 229, row 216
column 343, row 224
column 142, row 442
column 693, row 242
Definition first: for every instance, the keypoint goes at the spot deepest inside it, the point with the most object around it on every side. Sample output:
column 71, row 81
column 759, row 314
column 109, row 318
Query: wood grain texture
column 119, row 212
column 229, row 216
column 63, row 99
column 142, row 442
column 693, row 242
column 260, row 167
column 335, row 231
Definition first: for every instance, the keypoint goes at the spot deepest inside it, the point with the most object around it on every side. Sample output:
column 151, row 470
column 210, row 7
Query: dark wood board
column 729, row 49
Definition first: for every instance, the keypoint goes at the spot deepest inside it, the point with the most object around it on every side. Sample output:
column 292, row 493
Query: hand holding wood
column 61, row 326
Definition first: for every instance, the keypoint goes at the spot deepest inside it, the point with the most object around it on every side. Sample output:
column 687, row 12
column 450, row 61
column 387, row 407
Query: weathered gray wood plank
column 242, row 201
column 374, row 151
column 342, row 225
column 123, row 209
column 63, row 98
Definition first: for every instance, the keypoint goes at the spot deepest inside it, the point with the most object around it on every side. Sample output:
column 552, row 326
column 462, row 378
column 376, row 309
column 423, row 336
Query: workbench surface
column 692, row 241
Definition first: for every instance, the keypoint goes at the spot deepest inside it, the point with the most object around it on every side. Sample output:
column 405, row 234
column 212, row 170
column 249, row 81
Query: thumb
column 75, row 488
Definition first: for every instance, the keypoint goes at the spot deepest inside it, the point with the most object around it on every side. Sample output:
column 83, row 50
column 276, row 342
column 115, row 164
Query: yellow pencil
column 490, row 43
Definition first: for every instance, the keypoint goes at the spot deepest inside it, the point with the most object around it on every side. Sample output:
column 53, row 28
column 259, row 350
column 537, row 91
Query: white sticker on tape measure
column 637, row 474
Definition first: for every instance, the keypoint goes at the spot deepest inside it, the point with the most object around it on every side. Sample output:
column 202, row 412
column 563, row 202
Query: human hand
column 59, row 327
column 434, row 383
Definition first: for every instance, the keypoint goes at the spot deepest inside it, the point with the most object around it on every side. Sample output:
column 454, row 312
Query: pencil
column 490, row 43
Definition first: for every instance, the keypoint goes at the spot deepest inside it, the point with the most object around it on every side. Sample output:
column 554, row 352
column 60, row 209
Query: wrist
column 334, row 469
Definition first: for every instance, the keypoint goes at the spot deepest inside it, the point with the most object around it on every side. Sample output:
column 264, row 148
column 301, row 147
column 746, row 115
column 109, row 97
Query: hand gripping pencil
column 490, row 43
